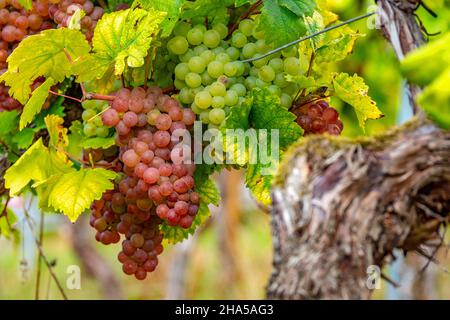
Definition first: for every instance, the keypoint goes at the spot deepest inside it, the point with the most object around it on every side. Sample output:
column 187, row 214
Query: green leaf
column 282, row 20
column 7, row 224
column 72, row 193
column 24, row 138
column 238, row 3
column 121, row 39
column 57, row 132
column 209, row 194
column 27, row 4
column 171, row 7
column 337, row 45
column 43, row 54
column 258, row 183
column 354, row 91
column 214, row 10
column 36, row 164
column 423, row 65
column 314, row 24
column 267, row 113
column 9, row 121
column 34, row 105
column 435, row 100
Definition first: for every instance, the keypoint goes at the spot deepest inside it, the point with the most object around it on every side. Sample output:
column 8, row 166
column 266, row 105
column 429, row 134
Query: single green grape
column 178, row 45
column 89, row 129
column 102, row 132
column 250, row 83
column 193, row 80
column 208, row 56
column 197, row 64
column 274, row 89
column 181, row 70
column 211, row 38
column 292, row 66
column 246, row 26
column 179, row 84
column 218, row 50
column 261, row 84
column 181, row 29
column 231, row 98
column 88, row 114
column 195, row 108
column 195, row 36
column 215, row 69
column 285, row 100
column 185, row 96
column 276, row 64
column 230, row 69
column 206, row 78
column 258, row 34
column 218, row 102
column 97, row 121
column 289, row 52
column 249, row 50
column 260, row 62
column 217, row 89
column 280, row 80
column 203, row 99
column 200, row 26
column 261, row 46
column 238, row 39
column 266, row 74
column 254, row 71
column 216, row 116
column 221, row 29
column 204, row 116
column 233, row 53
column 239, row 88
column 223, row 57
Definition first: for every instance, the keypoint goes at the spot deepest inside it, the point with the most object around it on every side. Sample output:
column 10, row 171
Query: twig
column 3, row 143
column 168, row 89
column 65, row 96
column 38, row 272
column 245, row 16
column 44, row 257
column 389, row 280
column 5, row 212
column 431, row 12
column 309, row 37
column 308, row 73
column 96, row 96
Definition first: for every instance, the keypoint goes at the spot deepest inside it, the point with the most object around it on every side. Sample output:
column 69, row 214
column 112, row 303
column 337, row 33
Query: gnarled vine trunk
column 341, row 206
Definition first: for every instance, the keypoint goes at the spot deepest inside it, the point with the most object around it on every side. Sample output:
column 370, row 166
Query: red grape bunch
column 62, row 11
column 15, row 24
column 318, row 117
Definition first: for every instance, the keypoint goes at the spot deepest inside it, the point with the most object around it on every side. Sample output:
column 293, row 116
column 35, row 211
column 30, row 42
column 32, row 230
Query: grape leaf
column 44, row 55
column 282, row 20
column 354, row 91
column 313, row 24
column 9, row 121
column 7, row 223
column 214, row 10
column 209, row 194
column 99, row 143
column 73, row 192
column 57, row 132
column 121, row 39
column 36, row 164
column 336, row 45
column 171, row 7
column 34, row 105
column 238, row 3
column 24, row 138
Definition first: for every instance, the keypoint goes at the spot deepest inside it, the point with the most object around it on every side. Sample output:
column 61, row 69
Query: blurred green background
column 230, row 258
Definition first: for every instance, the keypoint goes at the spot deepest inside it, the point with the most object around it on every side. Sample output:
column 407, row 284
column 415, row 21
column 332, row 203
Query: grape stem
column 308, row 74
column 287, row 45
column 65, row 96
column 249, row 12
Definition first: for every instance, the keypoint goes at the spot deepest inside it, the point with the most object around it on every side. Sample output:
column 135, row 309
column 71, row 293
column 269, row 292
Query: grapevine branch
column 287, row 45
column 44, row 257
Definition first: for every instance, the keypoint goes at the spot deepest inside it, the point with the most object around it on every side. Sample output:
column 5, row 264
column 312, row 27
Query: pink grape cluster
column 113, row 215
column 318, row 117
column 62, row 12
column 15, row 24
column 153, row 158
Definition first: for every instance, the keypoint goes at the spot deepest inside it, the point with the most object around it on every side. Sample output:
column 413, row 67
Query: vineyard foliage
column 82, row 141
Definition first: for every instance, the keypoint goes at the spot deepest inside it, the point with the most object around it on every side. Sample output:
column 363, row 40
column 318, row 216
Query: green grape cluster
column 92, row 121
column 211, row 76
